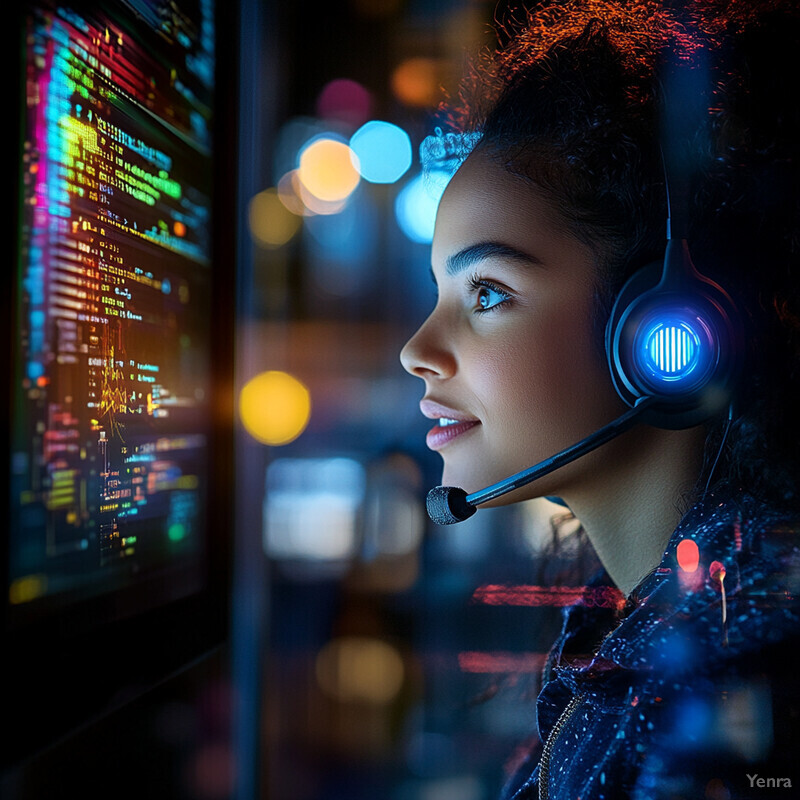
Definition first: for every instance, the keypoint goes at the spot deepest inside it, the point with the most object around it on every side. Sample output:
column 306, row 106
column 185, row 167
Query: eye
column 488, row 296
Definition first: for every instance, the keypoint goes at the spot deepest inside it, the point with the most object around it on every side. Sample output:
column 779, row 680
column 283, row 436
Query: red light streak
column 555, row 596
column 478, row 661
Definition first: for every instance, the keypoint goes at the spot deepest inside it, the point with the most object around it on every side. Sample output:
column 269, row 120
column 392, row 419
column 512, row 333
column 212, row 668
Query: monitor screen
column 116, row 314
column 111, row 375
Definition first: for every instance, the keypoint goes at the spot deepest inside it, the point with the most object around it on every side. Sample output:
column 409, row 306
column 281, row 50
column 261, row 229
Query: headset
column 674, row 337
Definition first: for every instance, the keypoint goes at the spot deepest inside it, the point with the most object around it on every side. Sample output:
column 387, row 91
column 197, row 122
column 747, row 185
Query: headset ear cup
column 677, row 342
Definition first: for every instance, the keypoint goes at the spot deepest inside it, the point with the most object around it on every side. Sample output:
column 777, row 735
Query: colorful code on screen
column 111, row 390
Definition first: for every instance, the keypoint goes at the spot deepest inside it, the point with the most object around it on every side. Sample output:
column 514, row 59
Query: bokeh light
column 297, row 199
column 328, row 169
column 360, row 669
column 311, row 513
column 416, row 205
column 345, row 100
column 27, row 588
column 312, row 204
column 383, row 151
column 272, row 224
column 274, row 407
column 417, row 81
column 292, row 137
column 290, row 194
column 688, row 555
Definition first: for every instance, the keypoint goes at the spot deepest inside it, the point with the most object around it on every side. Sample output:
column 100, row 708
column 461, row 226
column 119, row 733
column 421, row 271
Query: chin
column 470, row 482
column 464, row 479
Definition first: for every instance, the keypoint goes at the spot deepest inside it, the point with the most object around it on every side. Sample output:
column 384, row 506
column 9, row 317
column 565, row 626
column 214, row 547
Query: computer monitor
column 119, row 324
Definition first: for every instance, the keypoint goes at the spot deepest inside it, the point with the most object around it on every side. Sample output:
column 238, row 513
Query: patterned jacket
column 689, row 690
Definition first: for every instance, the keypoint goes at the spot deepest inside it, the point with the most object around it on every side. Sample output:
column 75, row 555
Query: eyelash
column 477, row 283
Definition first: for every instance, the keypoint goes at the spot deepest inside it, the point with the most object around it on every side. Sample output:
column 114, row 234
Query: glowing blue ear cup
column 674, row 350
column 670, row 350
column 674, row 335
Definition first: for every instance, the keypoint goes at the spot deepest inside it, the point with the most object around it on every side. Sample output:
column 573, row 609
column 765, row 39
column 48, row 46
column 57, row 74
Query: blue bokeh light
column 416, row 205
column 35, row 370
column 383, row 151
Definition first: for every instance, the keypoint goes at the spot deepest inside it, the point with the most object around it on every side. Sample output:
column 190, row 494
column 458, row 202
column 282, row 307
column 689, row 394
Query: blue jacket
column 661, row 698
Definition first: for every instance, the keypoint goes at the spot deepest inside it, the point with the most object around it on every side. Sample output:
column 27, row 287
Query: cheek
column 555, row 375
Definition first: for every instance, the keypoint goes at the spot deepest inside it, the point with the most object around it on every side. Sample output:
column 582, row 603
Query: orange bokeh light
column 416, row 82
column 329, row 170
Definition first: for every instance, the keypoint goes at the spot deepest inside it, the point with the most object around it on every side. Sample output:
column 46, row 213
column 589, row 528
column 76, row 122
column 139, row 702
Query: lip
column 435, row 410
column 438, row 436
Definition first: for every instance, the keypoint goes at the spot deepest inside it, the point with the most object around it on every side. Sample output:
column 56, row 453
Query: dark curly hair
column 570, row 100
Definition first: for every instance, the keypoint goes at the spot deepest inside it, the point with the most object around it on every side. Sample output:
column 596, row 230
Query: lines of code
column 111, row 390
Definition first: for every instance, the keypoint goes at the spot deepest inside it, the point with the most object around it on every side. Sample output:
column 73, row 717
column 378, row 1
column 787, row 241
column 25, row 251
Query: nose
column 428, row 353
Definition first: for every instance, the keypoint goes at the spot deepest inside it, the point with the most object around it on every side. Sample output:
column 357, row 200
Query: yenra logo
column 769, row 783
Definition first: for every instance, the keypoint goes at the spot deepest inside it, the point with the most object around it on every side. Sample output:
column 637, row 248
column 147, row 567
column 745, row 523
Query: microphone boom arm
column 449, row 504
column 599, row 437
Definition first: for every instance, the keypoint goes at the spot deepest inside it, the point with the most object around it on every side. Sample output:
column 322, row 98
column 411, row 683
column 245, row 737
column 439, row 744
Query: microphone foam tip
column 448, row 504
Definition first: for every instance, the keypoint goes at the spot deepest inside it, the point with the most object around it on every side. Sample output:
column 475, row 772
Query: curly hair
column 571, row 101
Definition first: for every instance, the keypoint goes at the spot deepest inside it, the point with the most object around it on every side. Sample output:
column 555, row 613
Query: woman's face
column 508, row 355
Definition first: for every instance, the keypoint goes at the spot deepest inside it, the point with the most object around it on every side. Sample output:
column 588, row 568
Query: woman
column 686, row 689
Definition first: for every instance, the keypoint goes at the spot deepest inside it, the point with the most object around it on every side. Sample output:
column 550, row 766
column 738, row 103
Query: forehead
column 484, row 202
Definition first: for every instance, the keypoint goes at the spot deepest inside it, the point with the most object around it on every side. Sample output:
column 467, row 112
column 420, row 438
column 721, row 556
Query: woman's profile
column 576, row 142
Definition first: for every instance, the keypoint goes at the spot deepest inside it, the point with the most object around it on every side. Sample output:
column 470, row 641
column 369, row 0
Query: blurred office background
column 372, row 654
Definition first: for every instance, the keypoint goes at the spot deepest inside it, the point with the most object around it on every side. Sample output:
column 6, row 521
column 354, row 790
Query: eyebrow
column 465, row 258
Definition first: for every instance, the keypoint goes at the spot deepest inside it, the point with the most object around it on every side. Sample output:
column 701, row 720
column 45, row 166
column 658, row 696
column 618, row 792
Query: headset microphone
column 449, row 504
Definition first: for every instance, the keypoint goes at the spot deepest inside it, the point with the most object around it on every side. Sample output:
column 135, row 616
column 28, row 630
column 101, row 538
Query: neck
column 630, row 511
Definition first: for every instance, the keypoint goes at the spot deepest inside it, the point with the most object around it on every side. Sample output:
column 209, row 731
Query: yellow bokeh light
column 271, row 223
column 360, row 669
column 289, row 193
column 274, row 407
column 27, row 588
column 329, row 170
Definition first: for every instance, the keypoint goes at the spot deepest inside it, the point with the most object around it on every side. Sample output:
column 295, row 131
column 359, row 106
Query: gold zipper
column 544, row 761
